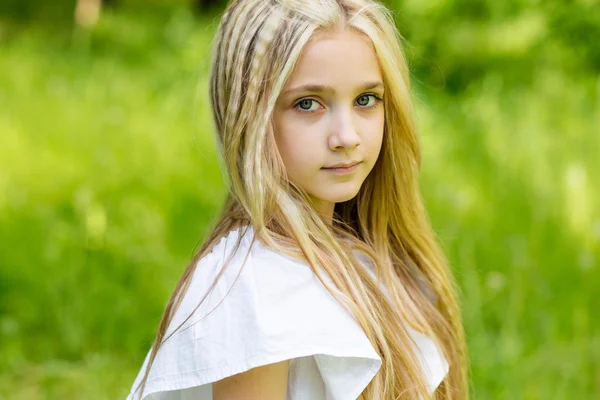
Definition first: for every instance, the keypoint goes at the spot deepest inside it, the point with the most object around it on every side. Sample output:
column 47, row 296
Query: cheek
column 297, row 147
column 374, row 139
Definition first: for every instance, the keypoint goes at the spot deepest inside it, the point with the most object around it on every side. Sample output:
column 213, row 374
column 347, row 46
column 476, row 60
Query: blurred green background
column 109, row 178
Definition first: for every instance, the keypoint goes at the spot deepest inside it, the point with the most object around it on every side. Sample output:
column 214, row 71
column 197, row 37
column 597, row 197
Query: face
column 330, row 114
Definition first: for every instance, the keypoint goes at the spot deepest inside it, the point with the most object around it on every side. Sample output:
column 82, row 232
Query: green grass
column 108, row 179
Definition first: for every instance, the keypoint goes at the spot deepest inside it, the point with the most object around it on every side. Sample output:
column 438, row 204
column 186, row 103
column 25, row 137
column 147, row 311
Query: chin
column 340, row 196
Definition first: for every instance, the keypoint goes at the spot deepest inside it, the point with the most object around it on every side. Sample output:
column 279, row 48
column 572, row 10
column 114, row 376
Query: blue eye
column 305, row 105
column 364, row 100
column 369, row 100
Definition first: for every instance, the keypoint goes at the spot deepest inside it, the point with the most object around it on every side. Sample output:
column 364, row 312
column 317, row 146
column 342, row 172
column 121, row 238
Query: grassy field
column 108, row 179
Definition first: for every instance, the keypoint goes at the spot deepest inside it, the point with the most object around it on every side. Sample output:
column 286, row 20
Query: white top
column 277, row 310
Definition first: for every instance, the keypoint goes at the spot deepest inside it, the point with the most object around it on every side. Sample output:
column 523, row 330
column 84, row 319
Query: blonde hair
column 256, row 47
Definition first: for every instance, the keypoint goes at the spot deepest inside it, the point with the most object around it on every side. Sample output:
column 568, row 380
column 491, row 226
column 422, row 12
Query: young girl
column 322, row 278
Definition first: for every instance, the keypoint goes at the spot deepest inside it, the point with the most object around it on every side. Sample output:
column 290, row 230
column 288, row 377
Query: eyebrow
column 325, row 88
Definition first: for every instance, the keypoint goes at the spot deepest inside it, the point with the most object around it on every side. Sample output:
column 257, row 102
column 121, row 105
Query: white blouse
column 276, row 310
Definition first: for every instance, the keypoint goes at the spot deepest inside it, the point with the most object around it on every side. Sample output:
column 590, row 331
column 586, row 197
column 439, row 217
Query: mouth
column 343, row 165
column 343, row 169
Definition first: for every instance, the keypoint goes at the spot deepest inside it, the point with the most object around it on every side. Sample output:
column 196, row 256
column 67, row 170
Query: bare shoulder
column 264, row 382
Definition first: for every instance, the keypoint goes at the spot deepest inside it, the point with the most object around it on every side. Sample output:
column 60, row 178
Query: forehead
column 339, row 57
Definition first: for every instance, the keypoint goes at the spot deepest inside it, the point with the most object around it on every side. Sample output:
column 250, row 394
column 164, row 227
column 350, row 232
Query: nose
column 344, row 135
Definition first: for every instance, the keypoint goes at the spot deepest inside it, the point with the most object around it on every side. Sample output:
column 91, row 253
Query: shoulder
column 251, row 278
column 278, row 301
column 264, row 308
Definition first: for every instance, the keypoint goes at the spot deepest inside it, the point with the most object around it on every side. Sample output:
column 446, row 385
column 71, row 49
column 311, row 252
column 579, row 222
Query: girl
column 322, row 278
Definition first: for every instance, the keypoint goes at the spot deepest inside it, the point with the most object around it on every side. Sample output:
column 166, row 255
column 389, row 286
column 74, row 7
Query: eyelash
column 378, row 100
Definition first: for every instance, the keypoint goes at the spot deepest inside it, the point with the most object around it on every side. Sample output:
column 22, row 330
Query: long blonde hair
column 255, row 49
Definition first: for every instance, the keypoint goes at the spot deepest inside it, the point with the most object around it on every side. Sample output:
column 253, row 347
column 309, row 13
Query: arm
column 264, row 382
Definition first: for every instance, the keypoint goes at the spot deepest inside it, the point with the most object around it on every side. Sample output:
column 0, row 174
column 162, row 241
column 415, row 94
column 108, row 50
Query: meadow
column 109, row 179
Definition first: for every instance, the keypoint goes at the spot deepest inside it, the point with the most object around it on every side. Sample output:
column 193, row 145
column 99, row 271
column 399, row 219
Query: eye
column 307, row 105
column 368, row 100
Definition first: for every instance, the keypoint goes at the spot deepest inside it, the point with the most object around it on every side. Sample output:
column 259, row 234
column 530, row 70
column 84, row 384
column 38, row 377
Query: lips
column 343, row 165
